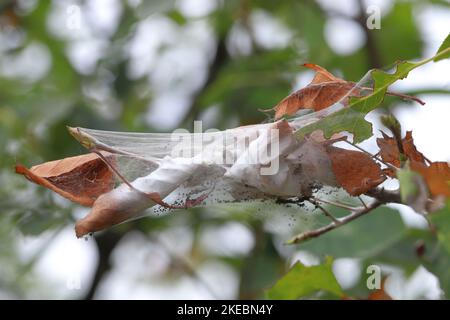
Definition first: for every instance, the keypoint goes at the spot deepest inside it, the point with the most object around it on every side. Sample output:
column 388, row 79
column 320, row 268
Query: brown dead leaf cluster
column 87, row 178
column 435, row 174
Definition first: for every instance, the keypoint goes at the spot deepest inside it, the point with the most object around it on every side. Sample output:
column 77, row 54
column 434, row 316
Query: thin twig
column 186, row 263
column 405, row 96
column 325, row 212
column 336, row 204
column 362, row 201
column 399, row 95
column 373, row 156
column 317, row 232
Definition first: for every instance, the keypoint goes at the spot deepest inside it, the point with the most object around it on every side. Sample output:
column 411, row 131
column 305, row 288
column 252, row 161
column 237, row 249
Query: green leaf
column 302, row 281
column 441, row 219
column 444, row 47
column 408, row 187
column 177, row 17
column 351, row 118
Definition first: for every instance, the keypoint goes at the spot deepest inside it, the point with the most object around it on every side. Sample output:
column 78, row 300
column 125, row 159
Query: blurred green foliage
column 303, row 280
column 35, row 111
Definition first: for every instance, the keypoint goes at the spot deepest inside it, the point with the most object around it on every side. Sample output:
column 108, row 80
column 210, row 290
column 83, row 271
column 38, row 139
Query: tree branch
column 371, row 45
column 221, row 57
column 385, row 196
column 342, row 221
column 106, row 243
column 381, row 195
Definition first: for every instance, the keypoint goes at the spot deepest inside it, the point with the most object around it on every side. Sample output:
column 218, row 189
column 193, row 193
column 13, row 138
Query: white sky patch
column 139, row 258
column 420, row 285
column 384, row 5
column 148, row 38
column 350, row 8
column 170, row 238
column 268, row 31
column 347, row 271
column 429, row 124
column 23, row 65
column 103, row 15
column 169, row 62
column 29, row 245
column 10, row 39
column 305, row 257
column 140, row 266
column 346, row 7
column 210, row 116
column 239, row 41
column 434, row 22
column 222, row 280
column 67, row 262
column 26, row 6
column 196, row 8
column 411, row 218
column 134, row 3
column 303, row 79
column 431, row 75
column 344, row 36
column 67, row 20
column 167, row 111
column 85, row 54
column 119, row 286
column 230, row 239
column 86, row 27
column 175, row 66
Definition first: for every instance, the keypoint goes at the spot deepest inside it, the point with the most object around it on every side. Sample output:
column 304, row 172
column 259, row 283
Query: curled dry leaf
column 322, row 75
column 81, row 179
column 436, row 176
column 355, row 171
column 324, row 90
column 390, row 153
column 410, row 149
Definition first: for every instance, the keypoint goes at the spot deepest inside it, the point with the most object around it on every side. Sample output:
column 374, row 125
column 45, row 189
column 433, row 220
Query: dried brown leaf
column 81, row 179
column 355, row 171
column 322, row 75
column 389, row 151
column 324, row 90
column 436, row 175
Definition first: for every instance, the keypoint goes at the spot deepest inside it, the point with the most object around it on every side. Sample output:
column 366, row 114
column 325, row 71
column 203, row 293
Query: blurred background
column 153, row 66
